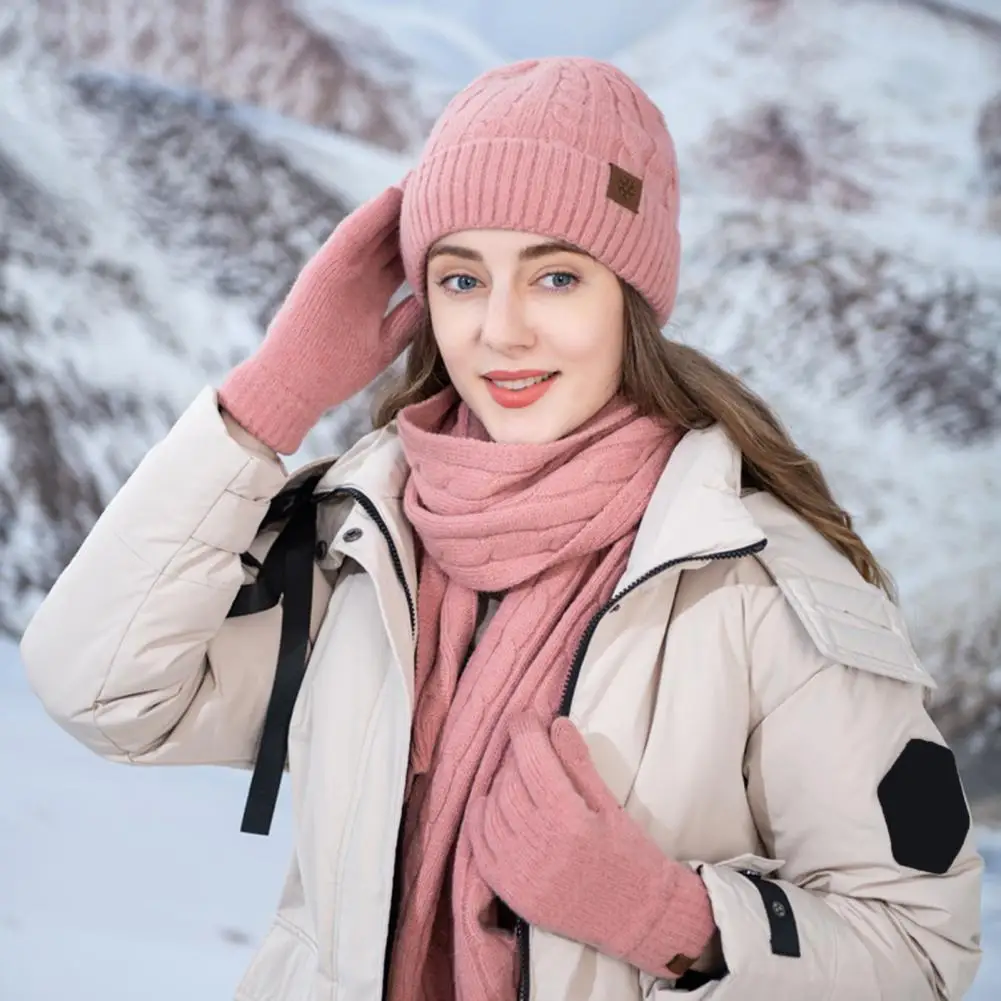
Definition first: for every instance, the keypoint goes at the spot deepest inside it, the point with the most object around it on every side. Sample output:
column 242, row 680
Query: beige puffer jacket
column 760, row 713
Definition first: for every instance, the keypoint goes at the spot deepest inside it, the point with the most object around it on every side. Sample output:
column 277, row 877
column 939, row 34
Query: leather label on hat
column 624, row 188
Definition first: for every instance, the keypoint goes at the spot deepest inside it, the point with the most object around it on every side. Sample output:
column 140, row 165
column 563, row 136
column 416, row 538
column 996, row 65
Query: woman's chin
column 530, row 426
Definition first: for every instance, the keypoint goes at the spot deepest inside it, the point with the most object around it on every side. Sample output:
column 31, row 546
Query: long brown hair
column 687, row 389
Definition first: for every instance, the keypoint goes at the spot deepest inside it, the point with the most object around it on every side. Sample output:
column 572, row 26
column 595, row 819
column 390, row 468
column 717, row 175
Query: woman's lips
column 513, row 399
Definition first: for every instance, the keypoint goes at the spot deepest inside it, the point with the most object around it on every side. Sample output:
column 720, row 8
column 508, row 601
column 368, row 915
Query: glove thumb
column 572, row 750
column 399, row 327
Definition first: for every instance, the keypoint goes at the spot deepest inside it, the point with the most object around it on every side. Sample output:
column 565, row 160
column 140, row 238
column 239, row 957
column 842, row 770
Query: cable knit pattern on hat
column 532, row 146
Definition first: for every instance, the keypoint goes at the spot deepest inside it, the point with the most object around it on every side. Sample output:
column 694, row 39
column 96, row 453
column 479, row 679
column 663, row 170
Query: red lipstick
column 513, row 399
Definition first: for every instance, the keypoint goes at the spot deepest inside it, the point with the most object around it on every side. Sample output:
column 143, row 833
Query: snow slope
column 121, row 883
column 446, row 48
column 347, row 77
column 124, row 882
column 455, row 41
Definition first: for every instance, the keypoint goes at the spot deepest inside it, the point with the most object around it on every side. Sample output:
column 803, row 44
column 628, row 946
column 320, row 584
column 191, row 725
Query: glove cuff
column 262, row 404
column 677, row 932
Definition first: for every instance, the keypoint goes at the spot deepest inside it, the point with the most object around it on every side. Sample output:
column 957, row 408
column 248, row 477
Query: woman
column 603, row 696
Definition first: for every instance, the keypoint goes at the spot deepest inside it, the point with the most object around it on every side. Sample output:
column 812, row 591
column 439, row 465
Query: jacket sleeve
column 131, row 651
column 872, row 891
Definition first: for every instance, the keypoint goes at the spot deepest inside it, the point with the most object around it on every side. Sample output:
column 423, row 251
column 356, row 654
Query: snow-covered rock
column 265, row 53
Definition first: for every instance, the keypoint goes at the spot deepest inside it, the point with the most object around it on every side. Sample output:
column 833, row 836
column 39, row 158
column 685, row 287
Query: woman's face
column 531, row 330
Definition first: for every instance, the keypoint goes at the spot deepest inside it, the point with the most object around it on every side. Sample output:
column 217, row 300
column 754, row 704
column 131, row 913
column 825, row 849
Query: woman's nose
column 504, row 323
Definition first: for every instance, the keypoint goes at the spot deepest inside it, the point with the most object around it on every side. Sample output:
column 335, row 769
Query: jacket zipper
column 373, row 512
column 521, row 928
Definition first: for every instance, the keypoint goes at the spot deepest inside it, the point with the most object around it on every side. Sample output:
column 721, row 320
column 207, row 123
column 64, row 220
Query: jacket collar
column 376, row 467
column 695, row 510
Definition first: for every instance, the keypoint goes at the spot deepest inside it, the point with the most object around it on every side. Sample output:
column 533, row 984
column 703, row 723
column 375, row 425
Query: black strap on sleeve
column 265, row 591
column 778, row 910
column 285, row 575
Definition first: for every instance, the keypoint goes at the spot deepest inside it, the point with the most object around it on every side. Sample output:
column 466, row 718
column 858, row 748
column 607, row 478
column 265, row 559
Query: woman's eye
column 459, row 283
column 560, row 280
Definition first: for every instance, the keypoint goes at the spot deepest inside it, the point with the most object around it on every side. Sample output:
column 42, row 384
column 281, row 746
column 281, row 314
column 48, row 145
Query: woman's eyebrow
column 551, row 247
column 446, row 250
column 536, row 250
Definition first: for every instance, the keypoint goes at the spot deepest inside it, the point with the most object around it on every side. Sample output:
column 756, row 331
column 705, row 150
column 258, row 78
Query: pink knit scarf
column 550, row 526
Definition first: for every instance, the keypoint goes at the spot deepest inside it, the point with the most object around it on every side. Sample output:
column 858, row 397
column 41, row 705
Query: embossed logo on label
column 624, row 188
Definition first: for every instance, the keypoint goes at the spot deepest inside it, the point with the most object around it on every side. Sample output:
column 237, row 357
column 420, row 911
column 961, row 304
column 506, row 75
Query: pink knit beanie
column 568, row 148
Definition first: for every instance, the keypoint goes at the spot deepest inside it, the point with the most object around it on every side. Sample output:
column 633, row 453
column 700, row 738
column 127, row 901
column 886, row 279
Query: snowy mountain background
column 165, row 170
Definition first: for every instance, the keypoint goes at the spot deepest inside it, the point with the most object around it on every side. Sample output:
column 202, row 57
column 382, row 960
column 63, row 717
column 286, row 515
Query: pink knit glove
column 330, row 338
column 551, row 841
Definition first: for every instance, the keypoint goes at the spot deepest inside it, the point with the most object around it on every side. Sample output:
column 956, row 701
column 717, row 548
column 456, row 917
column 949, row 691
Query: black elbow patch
column 924, row 807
